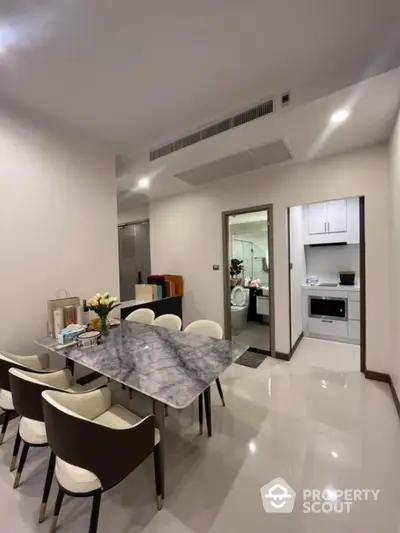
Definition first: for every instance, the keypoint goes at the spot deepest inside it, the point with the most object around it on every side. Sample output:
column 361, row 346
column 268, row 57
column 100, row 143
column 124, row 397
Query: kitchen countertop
column 172, row 367
column 338, row 287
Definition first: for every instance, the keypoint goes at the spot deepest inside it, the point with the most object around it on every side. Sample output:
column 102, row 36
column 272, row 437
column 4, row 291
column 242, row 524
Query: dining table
column 173, row 368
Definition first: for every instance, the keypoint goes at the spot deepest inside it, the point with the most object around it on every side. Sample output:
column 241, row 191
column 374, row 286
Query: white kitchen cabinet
column 328, row 327
column 336, row 216
column 354, row 330
column 316, row 219
column 353, row 310
column 333, row 221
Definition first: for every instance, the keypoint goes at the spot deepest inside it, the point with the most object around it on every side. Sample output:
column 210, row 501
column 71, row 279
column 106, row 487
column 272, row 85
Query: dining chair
column 8, row 360
column 143, row 316
column 208, row 328
column 26, row 389
column 172, row 322
column 97, row 445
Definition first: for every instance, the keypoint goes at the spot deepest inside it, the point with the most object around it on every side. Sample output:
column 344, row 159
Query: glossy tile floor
column 317, row 428
column 255, row 335
column 330, row 355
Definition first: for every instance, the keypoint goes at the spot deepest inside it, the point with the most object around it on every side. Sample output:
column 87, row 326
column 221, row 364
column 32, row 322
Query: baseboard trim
column 287, row 356
column 385, row 378
column 395, row 397
column 283, row 356
column 296, row 344
column 377, row 376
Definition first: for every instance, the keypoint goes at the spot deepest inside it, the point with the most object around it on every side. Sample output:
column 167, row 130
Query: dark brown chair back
column 5, row 366
column 27, row 396
column 111, row 454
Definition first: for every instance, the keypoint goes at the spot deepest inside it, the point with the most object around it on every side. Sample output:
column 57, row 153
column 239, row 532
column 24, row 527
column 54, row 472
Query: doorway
column 326, row 252
column 134, row 256
column 248, row 278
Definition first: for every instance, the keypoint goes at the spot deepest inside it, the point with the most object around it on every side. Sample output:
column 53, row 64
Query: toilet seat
column 239, row 296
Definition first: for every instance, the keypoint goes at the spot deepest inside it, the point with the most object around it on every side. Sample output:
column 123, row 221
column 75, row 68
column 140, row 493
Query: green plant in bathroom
column 236, row 268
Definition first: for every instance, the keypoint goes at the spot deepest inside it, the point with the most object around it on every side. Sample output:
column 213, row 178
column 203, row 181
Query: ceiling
column 305, row 130
column 137, row 74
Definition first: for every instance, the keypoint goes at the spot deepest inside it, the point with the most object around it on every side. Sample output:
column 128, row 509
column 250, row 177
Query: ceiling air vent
column 227, row 124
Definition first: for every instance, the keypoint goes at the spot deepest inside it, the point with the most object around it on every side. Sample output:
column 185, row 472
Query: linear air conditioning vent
column 259, row 111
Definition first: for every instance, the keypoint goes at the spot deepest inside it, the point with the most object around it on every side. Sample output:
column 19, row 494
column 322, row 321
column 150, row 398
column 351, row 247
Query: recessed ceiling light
column 252, row 446
column 340, row 116
column 334, row 454
column 144, row 183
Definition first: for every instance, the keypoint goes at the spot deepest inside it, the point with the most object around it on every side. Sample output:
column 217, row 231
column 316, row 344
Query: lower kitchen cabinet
column 328, row 327
column 354, row 330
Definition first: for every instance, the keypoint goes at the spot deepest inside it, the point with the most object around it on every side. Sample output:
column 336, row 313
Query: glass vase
column 104, row 327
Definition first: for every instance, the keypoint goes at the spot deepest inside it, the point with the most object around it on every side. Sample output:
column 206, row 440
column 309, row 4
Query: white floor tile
column 315, row 426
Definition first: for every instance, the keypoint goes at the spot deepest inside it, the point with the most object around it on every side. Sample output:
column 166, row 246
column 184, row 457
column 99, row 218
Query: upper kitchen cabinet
column 336, row 216
column 333, row 221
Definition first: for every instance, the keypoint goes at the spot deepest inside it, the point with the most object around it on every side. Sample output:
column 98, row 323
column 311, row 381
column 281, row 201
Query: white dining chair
column 143, row 316
column 208, row 328
column 97, row 445
column 172, row 322
column 8, row 360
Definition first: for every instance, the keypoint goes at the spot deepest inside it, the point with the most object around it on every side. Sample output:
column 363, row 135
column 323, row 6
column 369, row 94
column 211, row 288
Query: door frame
column 121, row 226
column 363, row 319
column 226, row 276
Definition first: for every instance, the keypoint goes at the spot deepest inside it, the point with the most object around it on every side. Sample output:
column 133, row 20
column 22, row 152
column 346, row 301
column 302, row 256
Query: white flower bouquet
column 102, row 304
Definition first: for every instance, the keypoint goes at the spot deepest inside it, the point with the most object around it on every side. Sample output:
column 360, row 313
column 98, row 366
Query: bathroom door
column 248, row 260
column 134, row 257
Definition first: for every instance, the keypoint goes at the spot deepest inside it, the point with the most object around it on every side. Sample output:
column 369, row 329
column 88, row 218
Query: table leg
column 159, row 413
column 207, row 403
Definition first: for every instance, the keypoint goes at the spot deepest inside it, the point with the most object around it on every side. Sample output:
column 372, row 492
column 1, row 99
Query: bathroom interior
column 249, row 279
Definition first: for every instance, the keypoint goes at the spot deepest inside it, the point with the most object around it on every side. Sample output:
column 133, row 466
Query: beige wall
column 58, row 226
column 186, row 235
column 133, row 215
column 394, row 311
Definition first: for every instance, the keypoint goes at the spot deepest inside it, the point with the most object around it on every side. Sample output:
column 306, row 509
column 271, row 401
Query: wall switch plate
column 215, row 267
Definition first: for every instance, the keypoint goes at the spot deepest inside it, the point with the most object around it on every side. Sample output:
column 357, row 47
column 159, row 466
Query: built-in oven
column 327, row 307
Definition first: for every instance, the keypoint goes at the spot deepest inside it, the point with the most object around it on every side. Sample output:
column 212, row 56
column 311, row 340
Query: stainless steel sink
column 328, row 284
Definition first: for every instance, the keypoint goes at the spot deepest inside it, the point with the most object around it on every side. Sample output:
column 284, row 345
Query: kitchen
column 325, row 279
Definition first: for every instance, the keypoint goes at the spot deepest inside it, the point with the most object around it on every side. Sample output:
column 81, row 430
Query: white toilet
column 239, row 307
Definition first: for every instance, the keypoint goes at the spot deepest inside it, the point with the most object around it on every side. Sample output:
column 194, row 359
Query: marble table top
column 170, row 366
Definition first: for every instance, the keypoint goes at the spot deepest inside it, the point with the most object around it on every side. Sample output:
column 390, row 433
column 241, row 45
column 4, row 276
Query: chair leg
column 57, row 508
column 17, row 444
column 21, row 464
column 94, row 517
column 221, row 394
column 159, row 476
column 7, row 416
column 47, row 487
column 207, row 403
column 201, row 413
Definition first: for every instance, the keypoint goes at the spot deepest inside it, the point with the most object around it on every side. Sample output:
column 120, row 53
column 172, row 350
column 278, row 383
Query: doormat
column 251, row 359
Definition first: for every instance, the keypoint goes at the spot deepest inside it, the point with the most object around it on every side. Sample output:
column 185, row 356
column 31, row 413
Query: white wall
column 58, row 226
column 133, row 215
column 327, row 261
column 186, row 234
column 394, row 311
column 298, row 271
